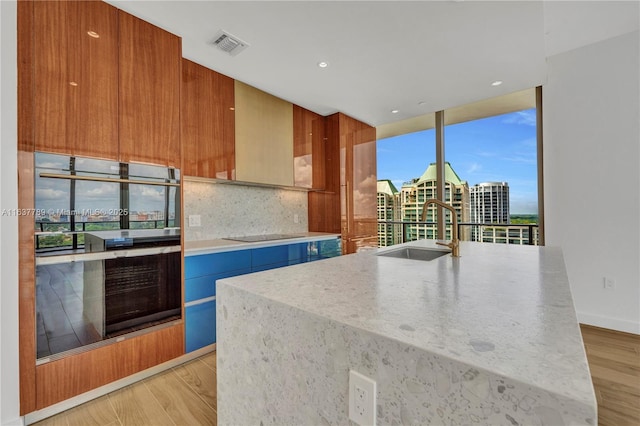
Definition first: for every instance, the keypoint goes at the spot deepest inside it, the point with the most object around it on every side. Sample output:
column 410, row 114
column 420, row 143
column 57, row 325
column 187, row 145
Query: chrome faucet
column 454, row 245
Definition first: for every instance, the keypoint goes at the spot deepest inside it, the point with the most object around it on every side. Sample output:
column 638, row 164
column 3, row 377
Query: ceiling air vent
column 229, row 43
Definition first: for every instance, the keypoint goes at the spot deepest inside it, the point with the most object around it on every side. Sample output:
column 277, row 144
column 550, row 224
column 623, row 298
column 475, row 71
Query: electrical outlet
column 194, row 220
column 609, row 283
column 362, row 399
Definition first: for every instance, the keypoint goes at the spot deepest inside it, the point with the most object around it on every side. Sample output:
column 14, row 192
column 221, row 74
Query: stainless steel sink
column 415, row 253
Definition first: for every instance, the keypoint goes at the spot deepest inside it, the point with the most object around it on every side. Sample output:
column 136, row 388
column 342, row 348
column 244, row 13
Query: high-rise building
column 415, row 192
column 490, row 202
column 388, row 210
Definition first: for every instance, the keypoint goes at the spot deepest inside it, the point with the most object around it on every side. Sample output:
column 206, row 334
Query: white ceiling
column 387, row 55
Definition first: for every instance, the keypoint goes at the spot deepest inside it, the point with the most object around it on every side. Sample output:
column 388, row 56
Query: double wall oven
column 108, row 250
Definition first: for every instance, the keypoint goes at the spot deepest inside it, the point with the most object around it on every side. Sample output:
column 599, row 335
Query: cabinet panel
column 264, row 137
column 76, row 374
column 76, row 78
column 210, row 264
column 200, row 325
column 308, row 148
column 149, row 93
column 205, row 286
column 351, row 172
column 207, row 122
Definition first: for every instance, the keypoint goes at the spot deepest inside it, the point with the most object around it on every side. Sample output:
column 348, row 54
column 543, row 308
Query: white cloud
column 50, row 194
column 527, row 118
column 474, row 167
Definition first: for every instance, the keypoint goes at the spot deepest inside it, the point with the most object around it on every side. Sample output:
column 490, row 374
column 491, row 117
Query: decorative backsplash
column 234, row 210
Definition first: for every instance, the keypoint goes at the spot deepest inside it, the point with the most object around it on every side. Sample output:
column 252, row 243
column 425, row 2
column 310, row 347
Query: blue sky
column 495, row 149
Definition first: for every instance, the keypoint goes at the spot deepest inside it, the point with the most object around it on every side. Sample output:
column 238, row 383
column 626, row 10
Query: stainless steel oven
column 142, row 281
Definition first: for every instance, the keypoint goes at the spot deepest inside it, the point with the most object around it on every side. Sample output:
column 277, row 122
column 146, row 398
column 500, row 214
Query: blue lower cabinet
column 202, row 271
column 202, row 287
column 200, row 323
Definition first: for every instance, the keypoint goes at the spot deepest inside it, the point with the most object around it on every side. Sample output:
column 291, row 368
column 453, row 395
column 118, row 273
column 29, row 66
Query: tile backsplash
column 234, row 210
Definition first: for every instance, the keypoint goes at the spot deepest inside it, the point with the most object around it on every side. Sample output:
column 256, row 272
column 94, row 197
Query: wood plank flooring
column 186, row 395
column 614, row 361
column 183, row 395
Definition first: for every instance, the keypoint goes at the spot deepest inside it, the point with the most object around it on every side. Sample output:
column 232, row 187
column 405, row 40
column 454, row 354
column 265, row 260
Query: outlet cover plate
column 362, row 399
column 194, row 220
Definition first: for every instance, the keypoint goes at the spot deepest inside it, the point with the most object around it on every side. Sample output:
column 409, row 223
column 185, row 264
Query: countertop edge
column 201, row 247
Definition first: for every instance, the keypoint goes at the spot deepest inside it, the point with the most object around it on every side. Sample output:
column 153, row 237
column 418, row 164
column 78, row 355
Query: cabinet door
column 264, row 137
column 200, row 325
column 76, row 78
column 308, row 148
column 207, row 123
column 149, row 95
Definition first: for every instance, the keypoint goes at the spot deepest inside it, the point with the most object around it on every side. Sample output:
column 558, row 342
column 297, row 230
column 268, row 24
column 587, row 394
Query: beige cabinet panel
column 264, row 137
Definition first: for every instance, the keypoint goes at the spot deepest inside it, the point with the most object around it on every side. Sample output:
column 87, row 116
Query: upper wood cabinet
column 149, row 93
column 75, row 66
column 207, row 123
column 106, row 84
column 308, row 149
column 264, row 137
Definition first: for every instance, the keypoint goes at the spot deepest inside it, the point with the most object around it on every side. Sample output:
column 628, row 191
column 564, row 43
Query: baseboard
column 608, row 322
column 16, row 422
column 52, row 410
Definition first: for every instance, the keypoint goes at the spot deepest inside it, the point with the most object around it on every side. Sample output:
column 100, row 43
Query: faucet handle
column 450, row 245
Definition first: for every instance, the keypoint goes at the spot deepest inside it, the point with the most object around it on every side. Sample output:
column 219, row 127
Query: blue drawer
column 210, row 264
column 205, row 286
column 200, row 323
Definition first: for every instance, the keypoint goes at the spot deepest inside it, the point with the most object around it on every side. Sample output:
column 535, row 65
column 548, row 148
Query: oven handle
column 104, row 255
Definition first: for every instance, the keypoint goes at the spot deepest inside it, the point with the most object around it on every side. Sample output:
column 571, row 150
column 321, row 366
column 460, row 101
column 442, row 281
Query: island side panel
column 281, row 365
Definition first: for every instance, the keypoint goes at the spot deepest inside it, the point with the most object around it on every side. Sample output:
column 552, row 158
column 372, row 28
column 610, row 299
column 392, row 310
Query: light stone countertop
column 502, row 308
column 194, row 248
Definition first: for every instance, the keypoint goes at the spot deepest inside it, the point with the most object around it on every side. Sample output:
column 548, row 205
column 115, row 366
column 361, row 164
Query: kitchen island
column 490, row 337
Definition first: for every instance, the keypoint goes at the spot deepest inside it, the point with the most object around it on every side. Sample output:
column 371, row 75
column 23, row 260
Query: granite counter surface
column 505, row 310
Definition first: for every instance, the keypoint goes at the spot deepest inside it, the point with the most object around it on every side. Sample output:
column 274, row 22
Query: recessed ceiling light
column 496, row 83
column 93, row 34
column 73, row 83
column 394, row 111
column 323, row 64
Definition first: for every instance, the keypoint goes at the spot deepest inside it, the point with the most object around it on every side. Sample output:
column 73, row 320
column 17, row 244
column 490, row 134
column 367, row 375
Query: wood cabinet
column 75, row 66
column 106, row 84
column 264, row 137
column 308, row 148
column 351, row 196
column 207, row 123
column 149, row 93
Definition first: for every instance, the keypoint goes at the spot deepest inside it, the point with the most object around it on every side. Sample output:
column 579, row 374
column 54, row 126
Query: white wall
column 9, row 387
column 592, row 184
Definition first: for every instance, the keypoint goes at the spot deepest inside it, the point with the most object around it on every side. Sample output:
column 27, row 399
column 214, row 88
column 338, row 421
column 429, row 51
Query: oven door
column 141, row 290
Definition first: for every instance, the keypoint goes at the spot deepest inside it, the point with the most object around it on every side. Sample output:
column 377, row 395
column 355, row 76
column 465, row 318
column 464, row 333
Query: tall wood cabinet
column 96, row 82
column 75, row 66
column 106, row 84
column 207, row 123
column 350, row 200
column 149, row 92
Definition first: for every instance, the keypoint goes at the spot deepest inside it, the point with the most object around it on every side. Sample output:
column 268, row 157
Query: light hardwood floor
column 186, row 395
column 183, row 395
column 614, row 361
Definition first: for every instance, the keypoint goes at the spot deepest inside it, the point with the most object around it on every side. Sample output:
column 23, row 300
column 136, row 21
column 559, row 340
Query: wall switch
column 296, row 218
column 194, row 220
column 609, row 283
column 362, row 399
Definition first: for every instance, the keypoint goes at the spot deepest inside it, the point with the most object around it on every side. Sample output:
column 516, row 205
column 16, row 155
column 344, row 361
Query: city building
column 489, row 202
column 389, row 209
column 414, row 194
